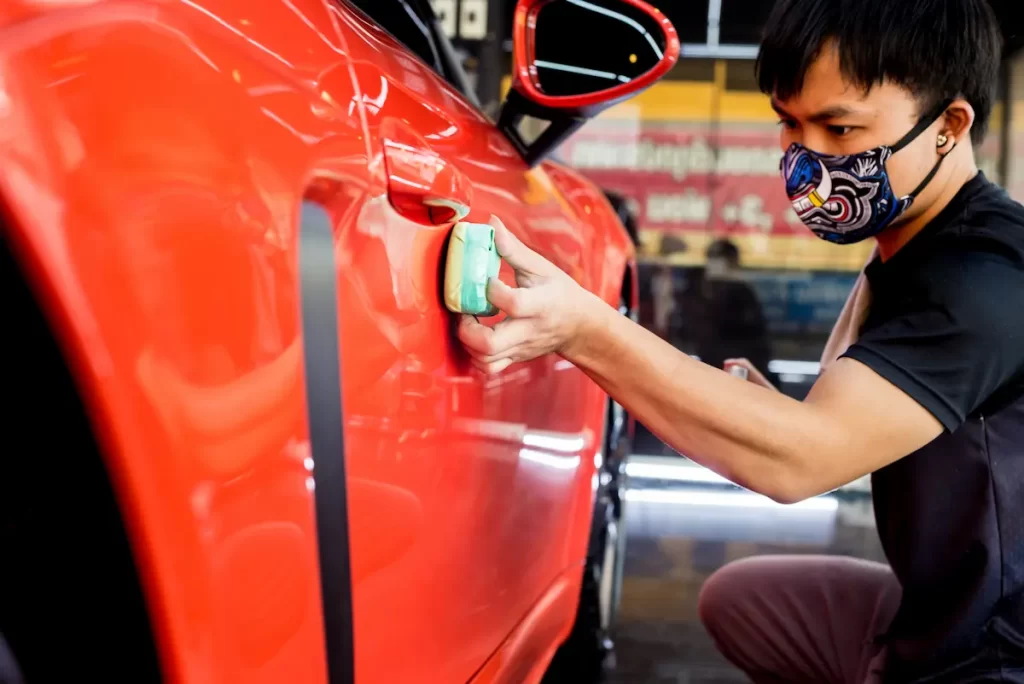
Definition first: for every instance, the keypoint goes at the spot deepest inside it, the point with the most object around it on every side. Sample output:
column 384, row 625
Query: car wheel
column 590, row 648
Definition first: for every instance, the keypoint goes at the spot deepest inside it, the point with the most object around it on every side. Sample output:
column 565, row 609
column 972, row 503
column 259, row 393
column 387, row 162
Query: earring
column 941, row 140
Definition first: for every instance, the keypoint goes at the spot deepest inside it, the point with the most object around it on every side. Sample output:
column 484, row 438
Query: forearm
column 758, row 438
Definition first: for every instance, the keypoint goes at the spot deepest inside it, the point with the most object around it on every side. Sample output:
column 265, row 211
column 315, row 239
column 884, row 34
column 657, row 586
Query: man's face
column 831, row 116
column 717, row 268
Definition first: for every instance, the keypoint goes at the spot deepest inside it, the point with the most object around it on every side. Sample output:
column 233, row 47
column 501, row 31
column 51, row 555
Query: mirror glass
column 586, row 46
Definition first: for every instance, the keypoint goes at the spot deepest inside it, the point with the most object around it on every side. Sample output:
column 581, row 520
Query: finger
column 474, row 335
column 742, row 363
column 754, row 374
column 492, row 367
column 483, row 341
column 518, row 302
column 512, row 333
column 516, row 353
column 519, row 256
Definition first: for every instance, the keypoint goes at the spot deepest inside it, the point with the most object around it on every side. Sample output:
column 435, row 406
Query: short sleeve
column 953, row 336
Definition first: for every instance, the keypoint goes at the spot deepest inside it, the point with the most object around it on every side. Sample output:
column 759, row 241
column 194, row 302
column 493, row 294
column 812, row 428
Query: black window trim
column 447, row 65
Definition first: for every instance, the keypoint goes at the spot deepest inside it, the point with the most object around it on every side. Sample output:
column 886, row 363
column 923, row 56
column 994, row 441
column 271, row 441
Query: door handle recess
column 422, row 185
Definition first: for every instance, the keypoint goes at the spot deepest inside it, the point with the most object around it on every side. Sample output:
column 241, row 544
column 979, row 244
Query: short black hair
column 724, row 248
column 936, row 49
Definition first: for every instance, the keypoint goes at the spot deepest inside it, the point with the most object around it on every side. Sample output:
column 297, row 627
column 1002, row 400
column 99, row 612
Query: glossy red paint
column 421, row 185
column 154, row 161
column 524, row 25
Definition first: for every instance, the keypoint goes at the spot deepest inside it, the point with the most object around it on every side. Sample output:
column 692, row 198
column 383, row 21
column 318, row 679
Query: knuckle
column 515, row 303
column 527, row 303
column 491, row 345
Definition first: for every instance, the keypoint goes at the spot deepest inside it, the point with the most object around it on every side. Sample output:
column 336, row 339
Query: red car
column 243, row 444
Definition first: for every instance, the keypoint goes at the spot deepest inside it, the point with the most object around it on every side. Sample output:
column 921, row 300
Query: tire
column 590, row 649
column 71, row 561
column 9, row 672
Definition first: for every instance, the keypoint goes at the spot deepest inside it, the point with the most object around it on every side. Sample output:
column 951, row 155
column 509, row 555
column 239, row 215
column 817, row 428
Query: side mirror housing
column 574, row 58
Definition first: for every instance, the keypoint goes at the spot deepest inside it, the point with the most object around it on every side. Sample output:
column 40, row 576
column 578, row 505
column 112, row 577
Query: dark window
column 409, row 22
column 742, row 21
column 690, row 18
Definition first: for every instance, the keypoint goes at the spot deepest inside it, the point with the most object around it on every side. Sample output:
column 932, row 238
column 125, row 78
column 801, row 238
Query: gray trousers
column 801, row 619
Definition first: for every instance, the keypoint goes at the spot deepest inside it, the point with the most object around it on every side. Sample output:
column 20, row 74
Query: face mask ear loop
column 927, row 120
column 931, row 175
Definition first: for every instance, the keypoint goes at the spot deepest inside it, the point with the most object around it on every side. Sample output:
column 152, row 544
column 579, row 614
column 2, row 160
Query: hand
column 753, row 374
column 545, row 313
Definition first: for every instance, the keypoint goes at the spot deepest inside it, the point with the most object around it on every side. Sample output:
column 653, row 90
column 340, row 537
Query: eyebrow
column 827, row 114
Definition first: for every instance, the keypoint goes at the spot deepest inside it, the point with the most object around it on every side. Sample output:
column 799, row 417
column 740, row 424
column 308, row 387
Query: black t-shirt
column 946, row 326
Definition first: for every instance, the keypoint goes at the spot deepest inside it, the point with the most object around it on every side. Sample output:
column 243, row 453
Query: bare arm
column 852, row 423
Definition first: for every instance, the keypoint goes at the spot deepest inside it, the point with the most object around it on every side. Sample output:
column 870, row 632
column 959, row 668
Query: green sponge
column 472, row 261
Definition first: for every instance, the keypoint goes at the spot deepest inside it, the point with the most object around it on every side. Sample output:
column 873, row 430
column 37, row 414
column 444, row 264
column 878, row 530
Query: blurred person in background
column 879, row 103
column 722, row 315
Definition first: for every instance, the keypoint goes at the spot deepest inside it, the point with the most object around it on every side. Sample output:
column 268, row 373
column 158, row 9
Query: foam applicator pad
column 472, row 261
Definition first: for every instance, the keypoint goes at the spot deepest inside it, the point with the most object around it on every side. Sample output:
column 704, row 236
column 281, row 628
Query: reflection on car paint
column 155, row 158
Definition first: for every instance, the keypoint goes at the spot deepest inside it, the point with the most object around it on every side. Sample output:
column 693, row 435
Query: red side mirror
column 573, row 58
column 574, row 54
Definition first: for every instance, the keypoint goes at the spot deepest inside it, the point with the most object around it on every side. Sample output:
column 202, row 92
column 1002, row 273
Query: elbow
column 800, row 471
column 787, row 474
column 784, row 485
column 787, row 496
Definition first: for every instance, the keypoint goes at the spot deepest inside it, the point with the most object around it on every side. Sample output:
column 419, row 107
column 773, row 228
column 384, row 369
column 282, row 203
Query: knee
column 714, row 597
column 727, row 591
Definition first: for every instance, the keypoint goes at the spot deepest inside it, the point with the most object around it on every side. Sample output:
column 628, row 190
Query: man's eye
column 787, row 123
column 840, row 131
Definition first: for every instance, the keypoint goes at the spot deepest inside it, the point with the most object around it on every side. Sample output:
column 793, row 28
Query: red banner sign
column 684, row 178
column 687, row 178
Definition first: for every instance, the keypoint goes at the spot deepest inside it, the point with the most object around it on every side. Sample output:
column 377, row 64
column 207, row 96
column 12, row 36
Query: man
column 723, row 317
column 879, row 101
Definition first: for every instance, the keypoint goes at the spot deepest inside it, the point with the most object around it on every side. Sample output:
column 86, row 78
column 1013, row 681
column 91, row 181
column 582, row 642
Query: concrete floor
column 683, row 524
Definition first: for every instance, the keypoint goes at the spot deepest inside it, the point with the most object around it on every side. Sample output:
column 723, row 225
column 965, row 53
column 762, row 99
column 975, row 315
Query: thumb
column 519, row 256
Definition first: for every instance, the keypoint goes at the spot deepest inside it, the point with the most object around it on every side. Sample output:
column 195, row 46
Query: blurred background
column 726, row 270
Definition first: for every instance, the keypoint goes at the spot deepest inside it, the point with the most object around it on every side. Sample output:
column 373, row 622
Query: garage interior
column 690, row 165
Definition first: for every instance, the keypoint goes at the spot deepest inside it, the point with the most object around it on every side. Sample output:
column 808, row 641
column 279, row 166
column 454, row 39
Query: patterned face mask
column 847, row 199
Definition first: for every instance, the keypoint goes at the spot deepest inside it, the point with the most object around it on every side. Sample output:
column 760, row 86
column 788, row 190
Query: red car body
column 161, row 164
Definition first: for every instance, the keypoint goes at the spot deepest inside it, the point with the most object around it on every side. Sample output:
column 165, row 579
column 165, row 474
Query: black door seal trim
column 322, row 351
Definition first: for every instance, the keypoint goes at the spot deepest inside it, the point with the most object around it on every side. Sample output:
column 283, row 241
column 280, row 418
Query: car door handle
column 422, row 185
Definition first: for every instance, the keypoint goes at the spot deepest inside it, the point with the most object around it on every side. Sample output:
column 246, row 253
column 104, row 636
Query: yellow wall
column 789, row 252
column 682, row 101
column 687, row 101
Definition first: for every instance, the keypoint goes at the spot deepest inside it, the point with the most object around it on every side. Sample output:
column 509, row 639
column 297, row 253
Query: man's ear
column 956, row 123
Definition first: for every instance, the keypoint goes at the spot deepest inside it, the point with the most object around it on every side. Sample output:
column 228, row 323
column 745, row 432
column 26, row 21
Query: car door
column 484, row 478
column 156, row 158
